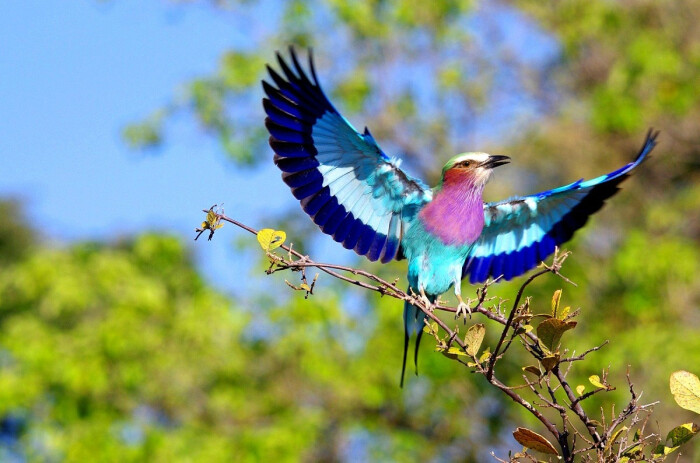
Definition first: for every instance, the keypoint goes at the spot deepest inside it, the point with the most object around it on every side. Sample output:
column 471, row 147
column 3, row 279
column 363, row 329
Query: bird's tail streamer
column 413, row 322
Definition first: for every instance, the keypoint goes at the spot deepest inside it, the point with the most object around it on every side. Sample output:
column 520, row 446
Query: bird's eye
column 465, row 163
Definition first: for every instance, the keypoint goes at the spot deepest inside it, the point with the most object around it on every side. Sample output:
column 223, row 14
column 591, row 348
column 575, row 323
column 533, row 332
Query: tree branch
column 296, row 261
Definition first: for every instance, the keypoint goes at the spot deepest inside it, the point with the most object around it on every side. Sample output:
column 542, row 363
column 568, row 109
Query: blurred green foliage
column 16, row 235
column 121, row 352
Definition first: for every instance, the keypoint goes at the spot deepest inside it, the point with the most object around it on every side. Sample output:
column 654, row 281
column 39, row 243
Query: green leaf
column 534, row 441
column 595, row 380
column 474, row 338
column 663, row 450
column 550, row 332
column 685, row 387
column 270, row 239
column 682, row 434
column 659, row 450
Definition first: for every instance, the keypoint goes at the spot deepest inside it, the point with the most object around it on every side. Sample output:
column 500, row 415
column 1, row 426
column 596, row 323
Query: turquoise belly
column 432, row 265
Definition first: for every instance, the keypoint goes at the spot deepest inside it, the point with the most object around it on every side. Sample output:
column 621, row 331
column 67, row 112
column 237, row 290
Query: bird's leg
column 425, row 299
column 463, row 308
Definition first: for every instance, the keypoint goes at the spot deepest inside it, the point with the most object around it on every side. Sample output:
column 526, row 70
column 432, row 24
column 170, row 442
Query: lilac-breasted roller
column 354, row 192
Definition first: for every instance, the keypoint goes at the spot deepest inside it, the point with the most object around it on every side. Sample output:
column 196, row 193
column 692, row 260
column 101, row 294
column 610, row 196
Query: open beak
column 495, row 161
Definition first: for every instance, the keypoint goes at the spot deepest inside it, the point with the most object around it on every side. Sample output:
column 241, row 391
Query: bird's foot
column 463, row 309
column 429, row 305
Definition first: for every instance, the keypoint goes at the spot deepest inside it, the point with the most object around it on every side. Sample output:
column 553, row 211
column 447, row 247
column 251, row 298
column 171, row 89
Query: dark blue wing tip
column 297, row 84
column 295, row 61
column 649, row 144
column 300, row 73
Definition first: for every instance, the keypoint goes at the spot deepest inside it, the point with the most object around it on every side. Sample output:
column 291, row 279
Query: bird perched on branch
column 357, row 194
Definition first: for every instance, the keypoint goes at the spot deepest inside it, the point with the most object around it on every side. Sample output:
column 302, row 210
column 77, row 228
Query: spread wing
column 344, row 181
column 521, row 232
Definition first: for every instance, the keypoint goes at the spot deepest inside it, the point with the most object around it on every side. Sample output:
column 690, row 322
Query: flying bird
column 357, row 194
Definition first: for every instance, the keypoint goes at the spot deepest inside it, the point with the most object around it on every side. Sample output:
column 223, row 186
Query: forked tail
column 412, row 322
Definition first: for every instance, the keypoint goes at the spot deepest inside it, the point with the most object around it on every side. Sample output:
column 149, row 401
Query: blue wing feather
column 344, row 181
column 523, row 231
column 295, row 164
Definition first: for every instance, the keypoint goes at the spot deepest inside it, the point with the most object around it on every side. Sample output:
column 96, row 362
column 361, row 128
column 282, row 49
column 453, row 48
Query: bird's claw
column 429, row 305
column 464, row 310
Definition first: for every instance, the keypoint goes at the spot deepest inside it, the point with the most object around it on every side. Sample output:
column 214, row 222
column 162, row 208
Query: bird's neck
column 456, row 213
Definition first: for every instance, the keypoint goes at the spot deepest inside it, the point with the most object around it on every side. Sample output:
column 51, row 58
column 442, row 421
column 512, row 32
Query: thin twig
column 576, row 406
column 384, row 287
column 582, row 356
column 494, row 356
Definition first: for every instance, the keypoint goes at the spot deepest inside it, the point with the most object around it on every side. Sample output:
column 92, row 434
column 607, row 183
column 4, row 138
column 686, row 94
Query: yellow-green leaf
column 211, row 216
column 534, row 441
column 668, row 450
column 430, row 329
column 615, row 435
column 555, row 302
column 580, row 388
column 550, row 332
column 595, row 380
column 270, row 239
column 474, row 338
column 533, row 369
column 305, row 287
column 485, row 355
column 562, row 313
column 634, row 451
column 685, row 387
column 454, row 352
column 524, row 329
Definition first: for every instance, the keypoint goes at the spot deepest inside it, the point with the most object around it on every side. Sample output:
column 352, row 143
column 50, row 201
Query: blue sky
column 72, row 74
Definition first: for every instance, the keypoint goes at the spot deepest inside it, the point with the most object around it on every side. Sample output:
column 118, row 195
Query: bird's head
column 476, row 167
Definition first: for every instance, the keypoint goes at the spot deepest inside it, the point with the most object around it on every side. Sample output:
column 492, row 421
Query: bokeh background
column 123, row 340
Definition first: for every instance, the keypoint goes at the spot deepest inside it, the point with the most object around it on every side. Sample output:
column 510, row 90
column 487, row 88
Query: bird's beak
column 495, row 161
